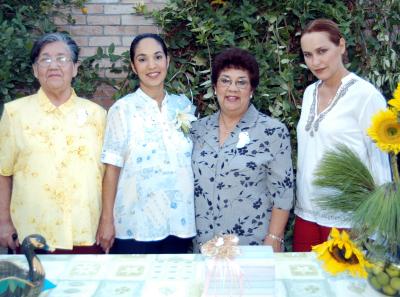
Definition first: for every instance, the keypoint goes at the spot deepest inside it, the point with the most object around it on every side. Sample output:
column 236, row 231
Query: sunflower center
column 392, row 131
column 339, row 255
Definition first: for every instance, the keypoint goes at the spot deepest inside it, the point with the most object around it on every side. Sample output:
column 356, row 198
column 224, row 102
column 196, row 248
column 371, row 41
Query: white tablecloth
column 285, row 274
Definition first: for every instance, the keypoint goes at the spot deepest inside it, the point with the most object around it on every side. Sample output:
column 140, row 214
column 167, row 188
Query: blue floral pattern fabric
column 237, row 184
column 155, row 189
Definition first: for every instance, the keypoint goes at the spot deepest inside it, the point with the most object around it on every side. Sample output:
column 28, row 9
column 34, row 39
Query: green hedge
column 21, row 23
column 196, row 31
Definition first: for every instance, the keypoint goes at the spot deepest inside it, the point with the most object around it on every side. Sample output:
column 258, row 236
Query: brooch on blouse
column 81, row 116
column 183, row 120
column 244, row 139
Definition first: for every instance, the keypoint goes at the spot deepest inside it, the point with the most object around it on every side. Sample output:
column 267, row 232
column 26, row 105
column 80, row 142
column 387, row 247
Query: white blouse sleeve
column 116, row 137
column 378, row 160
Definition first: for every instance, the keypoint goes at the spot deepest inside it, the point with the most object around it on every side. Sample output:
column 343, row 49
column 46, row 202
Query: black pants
column 168, row 245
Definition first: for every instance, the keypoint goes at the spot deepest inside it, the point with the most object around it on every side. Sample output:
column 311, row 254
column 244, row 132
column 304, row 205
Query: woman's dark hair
column 139, row 37
column 324, row 25
column 54, row 37
column 236, row 58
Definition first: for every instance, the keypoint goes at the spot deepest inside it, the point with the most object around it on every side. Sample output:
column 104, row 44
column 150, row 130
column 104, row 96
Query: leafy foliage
column 119, row 64
column 21, row 23
column 378, row 217
column 197, row 30
column 346, row 178
column 375, row 210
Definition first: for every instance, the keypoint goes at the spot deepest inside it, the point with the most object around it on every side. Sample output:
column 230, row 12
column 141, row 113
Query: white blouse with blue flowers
column 155, row 189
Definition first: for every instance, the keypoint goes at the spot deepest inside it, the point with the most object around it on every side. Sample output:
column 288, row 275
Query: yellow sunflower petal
column 349, row 250
column 396, row 93
column 321, row 248
column 345, row 236
column 340, row 244
column 335, row 233
column 385, row 131
column 395, row 103
column 334, row 262
column 334, row 267
column 357, row 270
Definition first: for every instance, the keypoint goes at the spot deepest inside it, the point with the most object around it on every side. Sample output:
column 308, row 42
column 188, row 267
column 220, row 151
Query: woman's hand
column 276, row 244
column 276, row 229
column 105, row 234
column 8, row 233
column 106, row 230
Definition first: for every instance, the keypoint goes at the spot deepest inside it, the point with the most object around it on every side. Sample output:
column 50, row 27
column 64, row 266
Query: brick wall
column 106, row 22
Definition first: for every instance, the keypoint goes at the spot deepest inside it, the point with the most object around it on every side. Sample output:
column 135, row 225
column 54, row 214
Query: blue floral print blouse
column 155, row 189
column 237, row 184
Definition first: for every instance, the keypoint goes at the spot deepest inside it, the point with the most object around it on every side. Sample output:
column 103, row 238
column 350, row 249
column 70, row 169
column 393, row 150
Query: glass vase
column 384, row 277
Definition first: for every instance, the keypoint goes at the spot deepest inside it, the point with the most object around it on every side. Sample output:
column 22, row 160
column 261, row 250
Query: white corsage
column 183, row 120
column 81, row 116
column 244, row 139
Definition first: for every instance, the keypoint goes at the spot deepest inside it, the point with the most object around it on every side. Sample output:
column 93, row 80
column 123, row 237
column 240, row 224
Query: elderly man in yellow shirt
column 50, row 145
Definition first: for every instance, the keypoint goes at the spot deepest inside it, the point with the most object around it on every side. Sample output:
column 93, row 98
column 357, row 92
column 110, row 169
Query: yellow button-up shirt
column 53, row 156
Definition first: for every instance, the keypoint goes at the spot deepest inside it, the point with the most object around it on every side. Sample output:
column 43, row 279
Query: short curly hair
column 236, row 58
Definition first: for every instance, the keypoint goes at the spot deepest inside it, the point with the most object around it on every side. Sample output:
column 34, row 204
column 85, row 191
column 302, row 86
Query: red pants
column 306, row 234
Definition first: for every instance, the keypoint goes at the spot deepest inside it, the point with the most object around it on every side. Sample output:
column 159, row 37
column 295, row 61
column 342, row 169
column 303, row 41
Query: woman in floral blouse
column 241, row 161
column 50, row 145
column 148, row 184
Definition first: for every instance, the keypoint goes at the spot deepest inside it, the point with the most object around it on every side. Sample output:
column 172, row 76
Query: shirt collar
column 249, row 119
column 150, row 100
column 47, row 106
column 344, row 79
column 210, row 133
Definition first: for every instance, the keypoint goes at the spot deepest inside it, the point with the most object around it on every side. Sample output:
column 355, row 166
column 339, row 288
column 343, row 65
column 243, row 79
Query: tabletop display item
column 233, row 270
column 16, row 281
column 223, row 274
column 373, row 210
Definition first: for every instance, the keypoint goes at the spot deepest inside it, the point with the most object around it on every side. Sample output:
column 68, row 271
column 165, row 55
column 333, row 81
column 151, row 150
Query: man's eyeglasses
column 60, row 61
column 226, row 82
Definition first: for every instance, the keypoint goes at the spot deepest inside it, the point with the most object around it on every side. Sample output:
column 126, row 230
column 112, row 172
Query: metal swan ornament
column 19, row 282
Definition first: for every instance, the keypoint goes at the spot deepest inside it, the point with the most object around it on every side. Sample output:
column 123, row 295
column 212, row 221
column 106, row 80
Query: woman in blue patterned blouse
column 241, row 161
column 148, row 183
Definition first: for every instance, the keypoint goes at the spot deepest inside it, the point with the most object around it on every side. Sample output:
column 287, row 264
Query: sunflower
column 385, row 131
column 340, row 254
column 395, row 102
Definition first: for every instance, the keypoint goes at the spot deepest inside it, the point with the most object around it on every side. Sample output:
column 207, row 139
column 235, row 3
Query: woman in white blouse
column 335, row 109
column 148, row 183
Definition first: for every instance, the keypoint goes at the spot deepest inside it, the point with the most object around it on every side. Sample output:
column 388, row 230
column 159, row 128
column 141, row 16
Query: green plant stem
column 395, row 169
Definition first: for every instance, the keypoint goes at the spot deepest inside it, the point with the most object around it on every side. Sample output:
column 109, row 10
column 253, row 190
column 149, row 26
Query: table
column 296, row 274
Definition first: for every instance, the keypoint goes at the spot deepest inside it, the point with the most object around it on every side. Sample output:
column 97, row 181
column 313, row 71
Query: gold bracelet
column 274, row 237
